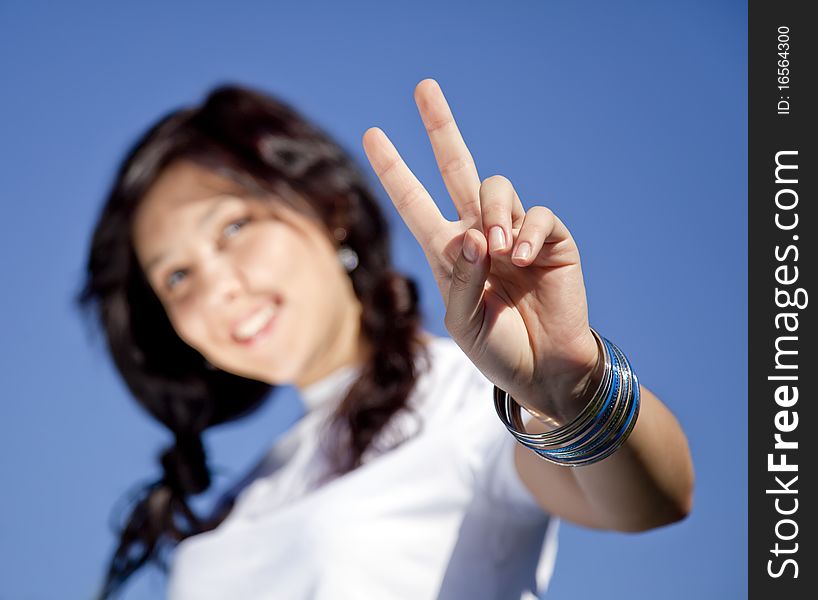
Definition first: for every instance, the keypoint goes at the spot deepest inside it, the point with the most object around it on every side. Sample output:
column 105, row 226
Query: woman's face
column 254, row 286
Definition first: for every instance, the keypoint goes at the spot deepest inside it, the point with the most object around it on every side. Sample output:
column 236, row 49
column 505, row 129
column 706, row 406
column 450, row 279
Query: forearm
column 646, row 483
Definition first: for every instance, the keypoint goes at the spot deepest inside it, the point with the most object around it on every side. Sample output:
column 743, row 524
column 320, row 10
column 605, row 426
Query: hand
column 522, row 319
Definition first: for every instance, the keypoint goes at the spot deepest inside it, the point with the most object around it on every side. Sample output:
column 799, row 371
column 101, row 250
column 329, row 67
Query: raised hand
column 510, row 279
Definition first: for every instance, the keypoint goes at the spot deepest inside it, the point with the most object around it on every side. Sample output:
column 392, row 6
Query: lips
column 255, row 325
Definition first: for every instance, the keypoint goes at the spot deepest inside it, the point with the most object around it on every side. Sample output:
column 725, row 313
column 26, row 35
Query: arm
column 516, row 305
column 646, row 483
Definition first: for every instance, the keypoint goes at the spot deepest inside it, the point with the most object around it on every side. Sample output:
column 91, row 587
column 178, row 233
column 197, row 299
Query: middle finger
column 453, row 157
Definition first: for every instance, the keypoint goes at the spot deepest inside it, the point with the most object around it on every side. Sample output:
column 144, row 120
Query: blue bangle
column 601, row 427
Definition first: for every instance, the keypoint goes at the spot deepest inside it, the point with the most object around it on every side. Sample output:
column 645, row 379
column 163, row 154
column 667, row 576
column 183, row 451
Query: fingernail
column 470, row 249
column 523, row 250
column 497, row 239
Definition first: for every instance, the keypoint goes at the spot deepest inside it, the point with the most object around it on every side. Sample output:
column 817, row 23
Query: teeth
column 254, row 324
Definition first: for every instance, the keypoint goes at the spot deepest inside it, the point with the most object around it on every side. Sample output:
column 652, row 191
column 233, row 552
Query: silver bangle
column 600, row 428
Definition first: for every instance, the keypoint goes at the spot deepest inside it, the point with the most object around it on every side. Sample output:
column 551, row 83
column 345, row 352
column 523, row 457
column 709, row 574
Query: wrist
column 563, row 398
column 603, row 423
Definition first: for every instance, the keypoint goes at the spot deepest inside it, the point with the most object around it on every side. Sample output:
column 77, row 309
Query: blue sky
column 628, row 119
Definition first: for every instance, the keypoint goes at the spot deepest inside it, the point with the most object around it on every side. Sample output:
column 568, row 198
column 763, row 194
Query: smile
column 257, row 326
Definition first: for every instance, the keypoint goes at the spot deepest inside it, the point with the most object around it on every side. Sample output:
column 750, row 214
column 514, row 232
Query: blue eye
column 229, row 231
column 171, row 279
column 235, row 226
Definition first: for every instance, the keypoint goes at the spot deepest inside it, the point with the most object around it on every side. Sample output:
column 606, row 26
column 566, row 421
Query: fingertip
column 377, row 147
column 370, row 134
column 479, row 238
column 474, row 245
column 425, row 86
column 498, row 240
column 521, row 256
column 426, row 83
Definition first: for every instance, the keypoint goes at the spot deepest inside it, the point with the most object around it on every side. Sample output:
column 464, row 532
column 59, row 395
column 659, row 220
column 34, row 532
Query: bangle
column 599, row 429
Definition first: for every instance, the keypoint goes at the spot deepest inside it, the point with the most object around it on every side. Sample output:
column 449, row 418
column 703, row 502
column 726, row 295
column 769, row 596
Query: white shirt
column 442, row 516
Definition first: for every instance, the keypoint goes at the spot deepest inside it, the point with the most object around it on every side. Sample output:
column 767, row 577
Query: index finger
column 413, row 202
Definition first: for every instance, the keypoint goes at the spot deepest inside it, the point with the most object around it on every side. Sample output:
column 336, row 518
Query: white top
column 442, row 516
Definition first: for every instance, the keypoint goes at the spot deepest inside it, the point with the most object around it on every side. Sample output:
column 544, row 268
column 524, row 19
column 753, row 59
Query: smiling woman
column 240, row 249
column 253, row 287
column 218, row 214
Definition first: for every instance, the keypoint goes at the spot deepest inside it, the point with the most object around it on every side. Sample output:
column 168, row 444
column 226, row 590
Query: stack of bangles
column 602, row 426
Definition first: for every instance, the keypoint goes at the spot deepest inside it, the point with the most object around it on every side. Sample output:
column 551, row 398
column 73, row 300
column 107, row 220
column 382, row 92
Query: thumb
column 465, row 309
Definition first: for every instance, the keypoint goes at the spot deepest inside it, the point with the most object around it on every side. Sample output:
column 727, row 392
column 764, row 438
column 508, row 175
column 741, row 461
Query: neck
column 349, row 348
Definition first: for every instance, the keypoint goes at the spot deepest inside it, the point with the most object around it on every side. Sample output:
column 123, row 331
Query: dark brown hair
column 270, row 150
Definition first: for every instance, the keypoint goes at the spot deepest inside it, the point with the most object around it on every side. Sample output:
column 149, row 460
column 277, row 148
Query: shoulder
column 458, row 400
column 445, row 380
column 440, row 346
column 443, row 359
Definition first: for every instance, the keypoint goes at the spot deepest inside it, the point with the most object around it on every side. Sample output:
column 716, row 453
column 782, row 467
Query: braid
column 185, row 465
column 391, row 321
column 161, row 515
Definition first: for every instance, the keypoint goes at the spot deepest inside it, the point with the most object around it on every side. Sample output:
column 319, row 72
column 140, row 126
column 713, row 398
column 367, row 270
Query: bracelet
column 599, row 429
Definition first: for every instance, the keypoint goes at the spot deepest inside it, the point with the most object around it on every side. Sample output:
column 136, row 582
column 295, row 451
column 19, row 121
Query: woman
column 240, row 249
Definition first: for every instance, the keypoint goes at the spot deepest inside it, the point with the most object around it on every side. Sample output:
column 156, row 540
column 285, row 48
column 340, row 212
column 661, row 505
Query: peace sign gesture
column 510, row 279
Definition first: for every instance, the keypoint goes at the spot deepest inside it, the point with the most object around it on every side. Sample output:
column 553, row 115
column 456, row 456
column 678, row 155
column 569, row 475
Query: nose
column 222, row 281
